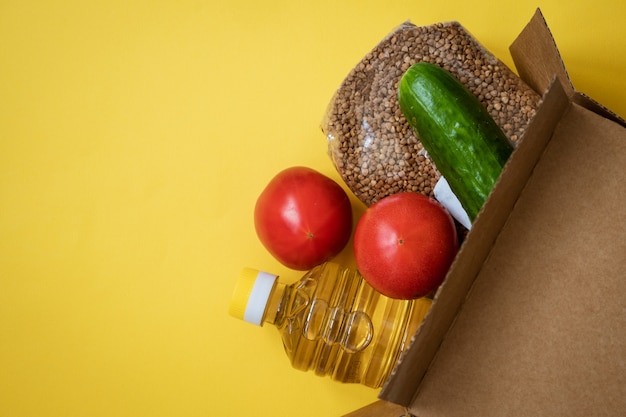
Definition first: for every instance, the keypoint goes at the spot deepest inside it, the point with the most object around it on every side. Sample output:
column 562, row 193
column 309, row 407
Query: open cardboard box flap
column 531, row 319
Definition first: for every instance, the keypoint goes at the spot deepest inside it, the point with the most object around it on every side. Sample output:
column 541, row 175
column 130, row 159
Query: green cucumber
column 466, row 145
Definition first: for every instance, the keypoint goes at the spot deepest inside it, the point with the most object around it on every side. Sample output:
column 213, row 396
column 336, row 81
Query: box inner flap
column 542, row 330
column 537, row 58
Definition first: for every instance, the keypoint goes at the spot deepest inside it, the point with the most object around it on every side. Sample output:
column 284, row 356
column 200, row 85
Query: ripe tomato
column 404, row 245
column 303, row 218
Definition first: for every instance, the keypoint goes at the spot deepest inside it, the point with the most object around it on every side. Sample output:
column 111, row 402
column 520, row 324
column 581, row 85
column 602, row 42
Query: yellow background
column 135, row 137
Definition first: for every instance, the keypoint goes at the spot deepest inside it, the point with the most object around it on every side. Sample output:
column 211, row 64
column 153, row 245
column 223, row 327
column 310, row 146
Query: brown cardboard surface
column 542, row 330
column 531, row 318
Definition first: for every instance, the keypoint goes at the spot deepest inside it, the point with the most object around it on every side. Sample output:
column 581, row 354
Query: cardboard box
column 531, row 320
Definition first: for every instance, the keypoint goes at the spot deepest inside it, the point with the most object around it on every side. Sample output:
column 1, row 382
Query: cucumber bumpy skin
column 466, row 145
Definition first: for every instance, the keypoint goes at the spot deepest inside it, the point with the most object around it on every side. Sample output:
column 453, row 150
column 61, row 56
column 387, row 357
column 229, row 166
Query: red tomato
column 303, row 218
column 404, row 245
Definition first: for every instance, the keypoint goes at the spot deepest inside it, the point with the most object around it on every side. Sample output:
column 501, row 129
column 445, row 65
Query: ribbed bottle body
column 333, row 323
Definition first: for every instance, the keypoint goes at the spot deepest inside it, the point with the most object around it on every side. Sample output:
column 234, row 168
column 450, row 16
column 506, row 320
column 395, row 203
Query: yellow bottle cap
column 251, row 295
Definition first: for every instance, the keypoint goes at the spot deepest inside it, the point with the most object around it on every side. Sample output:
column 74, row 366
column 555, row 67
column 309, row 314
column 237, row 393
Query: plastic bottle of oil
column 331, row 321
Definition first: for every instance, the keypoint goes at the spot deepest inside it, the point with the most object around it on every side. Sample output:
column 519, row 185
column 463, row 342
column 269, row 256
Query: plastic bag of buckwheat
column 371, row 144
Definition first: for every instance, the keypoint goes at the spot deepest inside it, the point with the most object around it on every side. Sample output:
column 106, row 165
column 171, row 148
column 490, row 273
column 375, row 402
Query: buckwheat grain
column 371, row 144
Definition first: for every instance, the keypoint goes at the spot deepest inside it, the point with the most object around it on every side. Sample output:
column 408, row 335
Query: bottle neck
column 275, row 309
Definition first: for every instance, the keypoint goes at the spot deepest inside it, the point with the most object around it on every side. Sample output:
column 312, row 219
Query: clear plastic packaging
column 331, row 321
column 370, row 143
